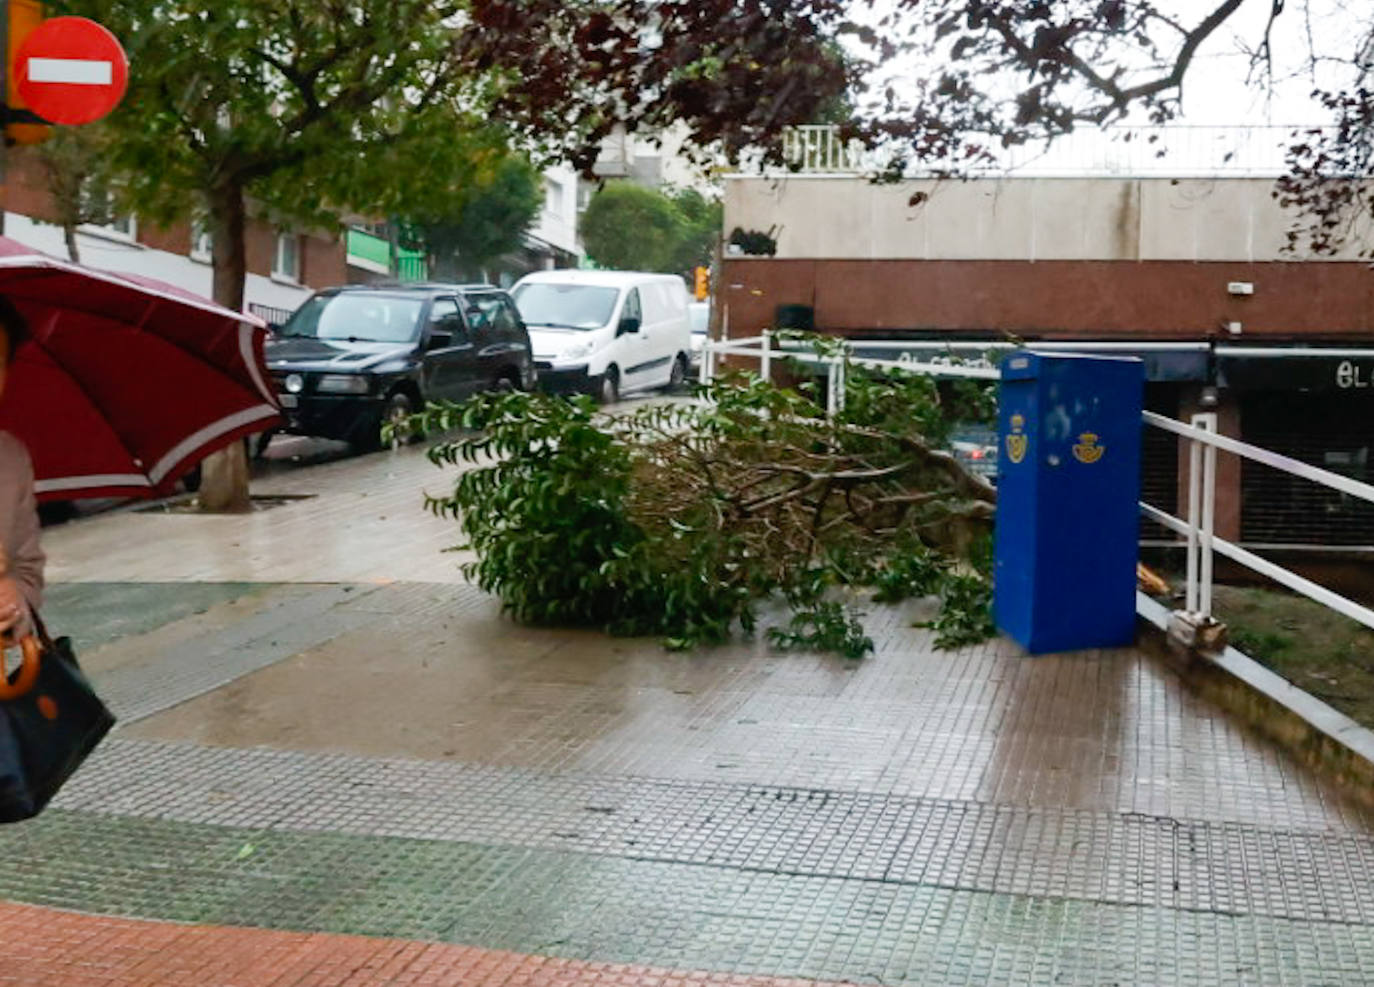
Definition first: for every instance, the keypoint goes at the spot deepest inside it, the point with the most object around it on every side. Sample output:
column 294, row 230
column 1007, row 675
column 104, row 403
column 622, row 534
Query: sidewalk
column 325, row 732
column 83, row 951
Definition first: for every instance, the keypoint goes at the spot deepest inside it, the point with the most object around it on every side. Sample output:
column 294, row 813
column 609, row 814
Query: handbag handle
column 31, row 648
column 28, row 671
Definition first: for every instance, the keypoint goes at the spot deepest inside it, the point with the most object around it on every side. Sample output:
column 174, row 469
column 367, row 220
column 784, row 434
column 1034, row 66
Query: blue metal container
column 1068, row 500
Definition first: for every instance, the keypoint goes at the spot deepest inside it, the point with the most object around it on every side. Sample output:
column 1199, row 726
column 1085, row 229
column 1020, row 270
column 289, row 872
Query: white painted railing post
column 707, row 370
column 1208, row 423
column 766, row 359
column 831, row 388
column 1194, row 522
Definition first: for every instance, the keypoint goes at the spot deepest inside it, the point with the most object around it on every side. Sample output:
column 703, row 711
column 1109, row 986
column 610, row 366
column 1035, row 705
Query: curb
column 1322, row 738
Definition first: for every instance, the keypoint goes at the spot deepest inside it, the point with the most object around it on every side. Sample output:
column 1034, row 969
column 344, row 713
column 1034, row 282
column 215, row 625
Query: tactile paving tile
column 1066, row 853
column 678, row 915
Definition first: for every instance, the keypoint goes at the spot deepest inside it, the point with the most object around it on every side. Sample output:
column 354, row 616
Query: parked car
column 699, row 314
column 975, row 446
column 606, row 333
column 354, row 357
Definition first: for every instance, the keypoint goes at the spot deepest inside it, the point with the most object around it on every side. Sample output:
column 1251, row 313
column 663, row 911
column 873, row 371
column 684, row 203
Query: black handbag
column 50, row 719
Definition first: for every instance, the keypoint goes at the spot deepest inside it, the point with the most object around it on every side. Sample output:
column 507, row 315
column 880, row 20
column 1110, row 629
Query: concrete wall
column 1031, row 219
column 1040, row 258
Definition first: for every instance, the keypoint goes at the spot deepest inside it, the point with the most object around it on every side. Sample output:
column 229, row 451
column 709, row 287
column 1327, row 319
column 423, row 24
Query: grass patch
column 1315, row 648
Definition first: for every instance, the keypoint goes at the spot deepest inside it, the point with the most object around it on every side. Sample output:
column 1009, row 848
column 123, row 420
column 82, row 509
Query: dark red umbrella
column 126, row 382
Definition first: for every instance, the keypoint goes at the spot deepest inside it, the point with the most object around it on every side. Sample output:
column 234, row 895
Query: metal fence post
column 766, row 360
column 1208, row 423
column 832, row 388
column 707, row 369
column 1194, row 521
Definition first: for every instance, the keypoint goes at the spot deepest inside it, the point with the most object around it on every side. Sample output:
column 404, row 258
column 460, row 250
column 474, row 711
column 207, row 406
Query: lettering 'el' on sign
column 71, row 71
column 1352, row 375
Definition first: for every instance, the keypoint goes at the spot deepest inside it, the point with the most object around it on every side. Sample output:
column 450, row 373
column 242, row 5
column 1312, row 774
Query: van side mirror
column 629, row 324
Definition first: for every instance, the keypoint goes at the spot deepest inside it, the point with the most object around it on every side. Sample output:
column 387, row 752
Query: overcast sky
column 1216, row 91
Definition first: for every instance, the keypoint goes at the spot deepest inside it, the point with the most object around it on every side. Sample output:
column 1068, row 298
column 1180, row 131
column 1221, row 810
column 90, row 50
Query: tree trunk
column 393, row 242
column 73, row 251
column 224, row 486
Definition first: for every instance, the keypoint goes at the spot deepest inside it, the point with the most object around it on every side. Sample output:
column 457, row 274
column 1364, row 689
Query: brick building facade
column 283, row 265
column 1191, row 274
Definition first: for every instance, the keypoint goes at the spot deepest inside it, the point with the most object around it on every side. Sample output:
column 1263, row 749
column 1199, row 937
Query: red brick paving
column 40, row 947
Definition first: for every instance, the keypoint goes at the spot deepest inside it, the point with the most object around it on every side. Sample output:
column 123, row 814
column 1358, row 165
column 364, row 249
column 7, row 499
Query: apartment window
column 125, row 225
column 288, row 261
column 119, row 226
column 553, row 196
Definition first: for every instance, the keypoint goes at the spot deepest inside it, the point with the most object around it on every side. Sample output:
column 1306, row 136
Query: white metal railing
column 766, row 347
column 1170, row 150
column 1198, row 530
column 818, row 149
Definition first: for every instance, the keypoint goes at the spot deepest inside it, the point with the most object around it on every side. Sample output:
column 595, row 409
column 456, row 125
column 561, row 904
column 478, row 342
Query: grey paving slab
column 921, row 817
column 1073, row 854
column 440, row 674
column 203, row 664
column 94, row 614
column 677, row 915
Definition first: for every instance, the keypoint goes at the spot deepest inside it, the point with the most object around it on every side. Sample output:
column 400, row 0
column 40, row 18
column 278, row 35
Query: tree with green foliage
column 486, row 218
column 702, row 219
column 294, row 110
column 682, row 520
column 628, row 227
column 75, row 163
column 633, row 228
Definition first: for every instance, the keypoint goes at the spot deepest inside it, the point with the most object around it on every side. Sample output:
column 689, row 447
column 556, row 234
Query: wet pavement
column 327, row 733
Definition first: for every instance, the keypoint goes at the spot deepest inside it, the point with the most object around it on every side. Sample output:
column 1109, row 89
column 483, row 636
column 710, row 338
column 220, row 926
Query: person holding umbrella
column 21, row 556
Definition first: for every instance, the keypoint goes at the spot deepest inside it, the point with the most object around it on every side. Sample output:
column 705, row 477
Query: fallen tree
column 679, row 520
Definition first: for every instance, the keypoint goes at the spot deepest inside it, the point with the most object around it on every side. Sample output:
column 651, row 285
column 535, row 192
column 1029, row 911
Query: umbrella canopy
column 126, row 382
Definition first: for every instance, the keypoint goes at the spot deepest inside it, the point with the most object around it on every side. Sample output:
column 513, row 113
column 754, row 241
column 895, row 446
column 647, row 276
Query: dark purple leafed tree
column 977, row 75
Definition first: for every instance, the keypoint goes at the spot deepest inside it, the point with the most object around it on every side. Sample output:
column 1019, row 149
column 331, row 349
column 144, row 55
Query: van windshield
column 565, row 306
column 358, row 317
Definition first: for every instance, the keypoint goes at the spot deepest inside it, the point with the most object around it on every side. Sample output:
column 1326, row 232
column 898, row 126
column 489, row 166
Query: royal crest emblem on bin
column 1086, row 450
column 1017, row 440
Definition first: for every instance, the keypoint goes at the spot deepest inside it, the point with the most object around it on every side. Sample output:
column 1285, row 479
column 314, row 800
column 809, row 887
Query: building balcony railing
column 1173, row 151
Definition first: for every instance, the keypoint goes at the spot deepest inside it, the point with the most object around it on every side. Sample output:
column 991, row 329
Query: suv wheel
column 608, row 389
column 679, row 373
column 399, row 408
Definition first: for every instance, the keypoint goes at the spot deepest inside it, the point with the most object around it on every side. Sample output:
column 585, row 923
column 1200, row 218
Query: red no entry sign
column 71, row 70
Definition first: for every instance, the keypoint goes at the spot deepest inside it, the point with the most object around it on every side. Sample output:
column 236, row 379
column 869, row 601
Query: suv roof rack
column 415, row 285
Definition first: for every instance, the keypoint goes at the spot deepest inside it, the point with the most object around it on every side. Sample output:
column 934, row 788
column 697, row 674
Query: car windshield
column 565, row 306
column 358, row 317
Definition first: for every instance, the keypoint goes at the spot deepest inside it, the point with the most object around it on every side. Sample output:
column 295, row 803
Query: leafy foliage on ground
column 680, row 520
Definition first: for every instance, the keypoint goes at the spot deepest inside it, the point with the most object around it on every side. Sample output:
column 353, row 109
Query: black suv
column 352, row 358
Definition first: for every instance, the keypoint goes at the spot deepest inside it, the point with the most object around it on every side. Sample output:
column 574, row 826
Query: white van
column 606, row 332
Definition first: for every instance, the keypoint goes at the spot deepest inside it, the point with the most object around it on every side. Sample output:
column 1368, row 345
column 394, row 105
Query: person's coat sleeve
column 26, row 559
